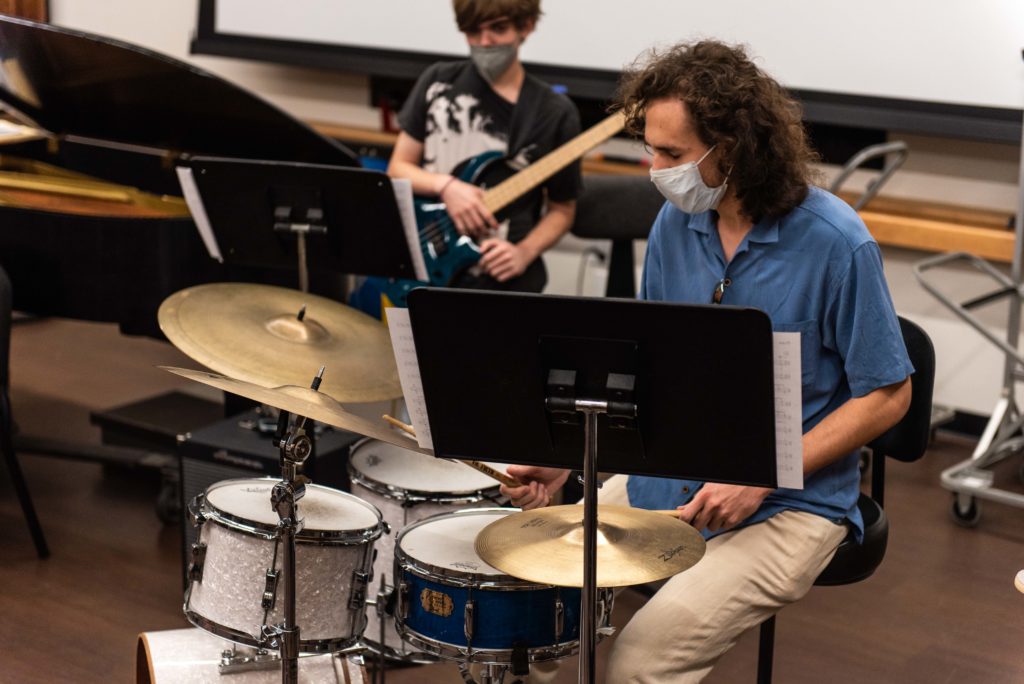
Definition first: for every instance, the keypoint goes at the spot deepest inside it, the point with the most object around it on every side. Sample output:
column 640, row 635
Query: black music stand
column 278, row 214
column 666, row 389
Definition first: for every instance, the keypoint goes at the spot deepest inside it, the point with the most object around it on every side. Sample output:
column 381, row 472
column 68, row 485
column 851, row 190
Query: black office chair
column 906, row 441
column 7, row 422
column 620, row 208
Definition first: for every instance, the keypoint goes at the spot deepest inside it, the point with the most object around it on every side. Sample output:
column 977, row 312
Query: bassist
column 459, row 110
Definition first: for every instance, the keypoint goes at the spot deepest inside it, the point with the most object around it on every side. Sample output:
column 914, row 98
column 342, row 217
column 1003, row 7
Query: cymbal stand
column 295, row 447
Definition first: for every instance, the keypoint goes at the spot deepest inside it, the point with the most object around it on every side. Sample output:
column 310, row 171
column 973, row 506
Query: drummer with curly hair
column 744, row 225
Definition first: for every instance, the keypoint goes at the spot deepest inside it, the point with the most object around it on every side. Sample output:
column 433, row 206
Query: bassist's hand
column 503, row 260
column 465, row 205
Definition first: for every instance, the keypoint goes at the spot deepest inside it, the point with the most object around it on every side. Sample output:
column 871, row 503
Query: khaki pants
column 744, row 577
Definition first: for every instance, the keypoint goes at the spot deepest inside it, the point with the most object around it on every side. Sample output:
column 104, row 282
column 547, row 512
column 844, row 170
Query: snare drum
column 408, row 486
column 234, row 590
column 454, row 605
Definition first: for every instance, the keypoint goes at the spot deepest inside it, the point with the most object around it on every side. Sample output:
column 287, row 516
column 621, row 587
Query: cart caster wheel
column 966, row 516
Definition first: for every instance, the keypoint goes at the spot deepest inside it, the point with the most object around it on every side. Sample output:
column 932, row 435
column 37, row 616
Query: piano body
column 91, row 225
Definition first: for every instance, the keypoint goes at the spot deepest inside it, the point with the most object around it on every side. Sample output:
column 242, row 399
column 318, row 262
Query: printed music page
column 789, row 454
column 407, row 212
column 404, row 346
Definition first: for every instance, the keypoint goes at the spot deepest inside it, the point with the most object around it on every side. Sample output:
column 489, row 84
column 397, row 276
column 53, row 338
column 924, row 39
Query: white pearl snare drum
column 234, row 590
column 408, row 486
column 175, row 656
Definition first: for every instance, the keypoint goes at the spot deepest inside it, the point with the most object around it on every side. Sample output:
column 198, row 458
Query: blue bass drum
column 454, row 605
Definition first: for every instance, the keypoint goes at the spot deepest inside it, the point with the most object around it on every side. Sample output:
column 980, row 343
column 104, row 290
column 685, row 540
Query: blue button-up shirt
column 816, row 271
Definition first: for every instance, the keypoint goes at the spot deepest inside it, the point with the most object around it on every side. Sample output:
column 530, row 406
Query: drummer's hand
column 722, row 506
column 539, row 484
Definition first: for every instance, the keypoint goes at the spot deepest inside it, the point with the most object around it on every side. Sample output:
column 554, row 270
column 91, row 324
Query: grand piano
column 91, row 225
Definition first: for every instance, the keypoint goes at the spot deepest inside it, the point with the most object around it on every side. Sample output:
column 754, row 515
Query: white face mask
column 683, row 186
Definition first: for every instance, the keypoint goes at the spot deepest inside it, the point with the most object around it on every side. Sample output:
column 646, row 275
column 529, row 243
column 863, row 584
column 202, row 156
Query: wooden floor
column 942, row 608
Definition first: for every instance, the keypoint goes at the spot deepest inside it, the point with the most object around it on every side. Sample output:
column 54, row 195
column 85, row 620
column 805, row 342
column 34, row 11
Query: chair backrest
column 908, row 439
column 617, row 207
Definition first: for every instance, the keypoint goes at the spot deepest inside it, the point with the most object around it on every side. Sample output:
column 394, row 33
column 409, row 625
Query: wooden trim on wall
column 36, row 10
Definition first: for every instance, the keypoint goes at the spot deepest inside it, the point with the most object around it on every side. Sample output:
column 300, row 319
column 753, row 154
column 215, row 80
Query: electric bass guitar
column 446, row 252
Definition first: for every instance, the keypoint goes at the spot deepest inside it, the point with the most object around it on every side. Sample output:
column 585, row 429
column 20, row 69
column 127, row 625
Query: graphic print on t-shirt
column 458, row 127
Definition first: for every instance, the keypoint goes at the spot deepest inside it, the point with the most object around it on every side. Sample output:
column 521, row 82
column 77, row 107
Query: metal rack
column 971, row 480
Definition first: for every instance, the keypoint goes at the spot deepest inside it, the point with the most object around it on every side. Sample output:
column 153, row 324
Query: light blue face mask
column 683, row 186
column 493, row 60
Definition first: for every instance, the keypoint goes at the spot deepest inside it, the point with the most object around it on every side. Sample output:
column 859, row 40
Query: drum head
column 321, row 509
column 444, row 544
column 401, row 469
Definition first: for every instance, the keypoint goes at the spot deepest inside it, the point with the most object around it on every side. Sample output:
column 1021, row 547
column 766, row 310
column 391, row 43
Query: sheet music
column 404, row 346
column 195, row 206
column 789, row 455
column 403, row 198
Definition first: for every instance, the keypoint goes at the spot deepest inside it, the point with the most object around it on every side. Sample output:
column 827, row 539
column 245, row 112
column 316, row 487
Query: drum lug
column 270, row 591
column 403, row 600
column 360, row 580
column 468, row 616
column 195, row 566
column 559, row 619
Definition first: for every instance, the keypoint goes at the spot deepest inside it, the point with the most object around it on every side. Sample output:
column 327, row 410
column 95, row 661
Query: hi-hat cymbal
column 633, row 545
column 254, row 333
column 303, row 401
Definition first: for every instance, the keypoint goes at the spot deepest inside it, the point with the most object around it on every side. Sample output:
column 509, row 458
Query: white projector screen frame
column 923, row 58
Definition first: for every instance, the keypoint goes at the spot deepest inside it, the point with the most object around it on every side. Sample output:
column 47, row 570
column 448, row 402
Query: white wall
column 959, row 172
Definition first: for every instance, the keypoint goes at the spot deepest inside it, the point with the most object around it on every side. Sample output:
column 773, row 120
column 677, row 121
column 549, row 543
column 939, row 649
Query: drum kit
column 419, row 562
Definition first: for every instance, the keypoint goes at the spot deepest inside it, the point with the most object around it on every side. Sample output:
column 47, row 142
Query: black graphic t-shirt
column 456, row 115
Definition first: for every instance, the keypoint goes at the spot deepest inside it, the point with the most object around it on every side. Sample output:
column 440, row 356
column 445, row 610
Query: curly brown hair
column 471, row 13
column 737, row 106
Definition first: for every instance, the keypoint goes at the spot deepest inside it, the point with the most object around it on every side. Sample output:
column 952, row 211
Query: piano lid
column 79, row 84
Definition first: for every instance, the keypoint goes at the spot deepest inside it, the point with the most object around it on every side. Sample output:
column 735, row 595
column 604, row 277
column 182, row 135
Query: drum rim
column 396, row 493
column 486, row 656
column 206, row 511
column 402, row 494
column 246, row 639
column 502, row 582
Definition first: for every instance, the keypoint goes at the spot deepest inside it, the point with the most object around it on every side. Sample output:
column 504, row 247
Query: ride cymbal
column 303, row 401
column 256, row 333
column 634, row 545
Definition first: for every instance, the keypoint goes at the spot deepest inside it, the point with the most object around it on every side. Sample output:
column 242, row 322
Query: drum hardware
column 195, row 567
column 270, row 591
column 247, row 660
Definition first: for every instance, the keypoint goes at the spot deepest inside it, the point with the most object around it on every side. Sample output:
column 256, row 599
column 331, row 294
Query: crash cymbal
column 255, row 333
column 303, row 401
column 634, row 546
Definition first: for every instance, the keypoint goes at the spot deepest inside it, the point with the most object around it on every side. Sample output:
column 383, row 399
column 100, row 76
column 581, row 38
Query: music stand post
column 578, row 372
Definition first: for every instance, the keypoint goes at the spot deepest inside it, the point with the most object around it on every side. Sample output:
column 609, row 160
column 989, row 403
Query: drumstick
column 501, row 477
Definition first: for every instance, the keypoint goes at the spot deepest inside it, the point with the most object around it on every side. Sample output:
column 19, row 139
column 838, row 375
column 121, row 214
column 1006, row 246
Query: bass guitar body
column 446, row 253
